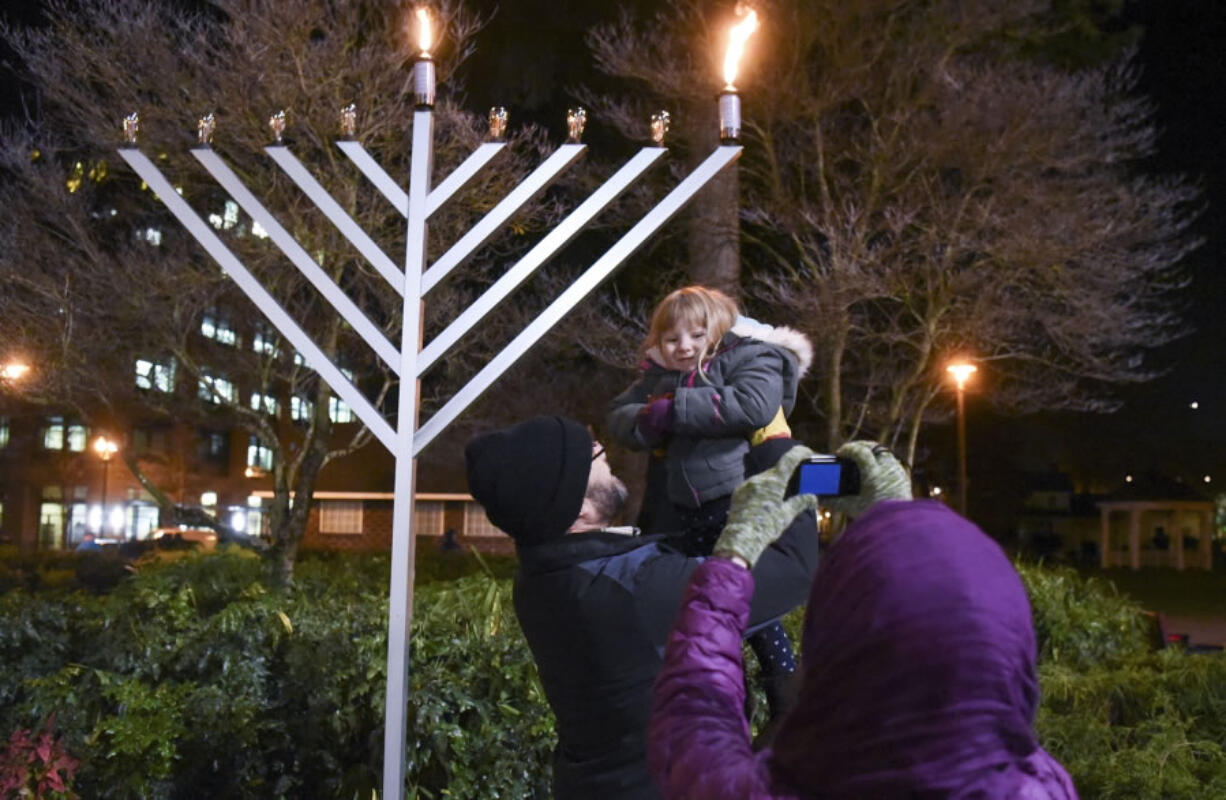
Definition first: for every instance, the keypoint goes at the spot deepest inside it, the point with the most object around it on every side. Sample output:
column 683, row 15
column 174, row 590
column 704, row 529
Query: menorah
column 413, row 357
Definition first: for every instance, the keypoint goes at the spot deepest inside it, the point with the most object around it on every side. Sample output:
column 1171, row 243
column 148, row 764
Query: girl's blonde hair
column 695, row 305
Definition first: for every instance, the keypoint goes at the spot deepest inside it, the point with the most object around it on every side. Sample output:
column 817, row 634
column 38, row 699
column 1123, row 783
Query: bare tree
column 109, row 295
column 915, row 188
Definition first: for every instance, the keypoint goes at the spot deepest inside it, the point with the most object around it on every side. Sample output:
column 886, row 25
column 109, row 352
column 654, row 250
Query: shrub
column 36, row 766
column 1080, row 622
column 193, row 679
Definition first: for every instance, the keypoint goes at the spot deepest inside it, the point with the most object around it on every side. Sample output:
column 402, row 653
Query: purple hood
column 918, row 667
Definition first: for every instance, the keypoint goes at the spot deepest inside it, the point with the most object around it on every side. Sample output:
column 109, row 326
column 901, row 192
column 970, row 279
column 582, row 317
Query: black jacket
column 596, row 609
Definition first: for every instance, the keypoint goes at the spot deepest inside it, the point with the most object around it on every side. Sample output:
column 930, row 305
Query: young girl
column 712, row 384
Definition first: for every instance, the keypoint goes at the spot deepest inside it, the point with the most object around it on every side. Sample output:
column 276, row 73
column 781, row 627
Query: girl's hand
column 656, row 417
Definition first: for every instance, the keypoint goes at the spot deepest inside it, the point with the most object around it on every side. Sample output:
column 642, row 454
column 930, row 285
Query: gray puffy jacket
column 755, row 371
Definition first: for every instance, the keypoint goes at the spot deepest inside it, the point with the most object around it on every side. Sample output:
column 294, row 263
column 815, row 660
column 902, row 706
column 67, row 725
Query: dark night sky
column 530, row 54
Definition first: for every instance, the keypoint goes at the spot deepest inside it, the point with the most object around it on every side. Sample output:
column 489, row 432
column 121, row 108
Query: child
column 713, row 383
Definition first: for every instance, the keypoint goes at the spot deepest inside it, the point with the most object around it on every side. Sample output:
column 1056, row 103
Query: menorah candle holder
column 411, row 357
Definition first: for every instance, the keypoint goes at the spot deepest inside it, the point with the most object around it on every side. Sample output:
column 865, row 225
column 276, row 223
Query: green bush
column 193, row 679
column 1080, row 622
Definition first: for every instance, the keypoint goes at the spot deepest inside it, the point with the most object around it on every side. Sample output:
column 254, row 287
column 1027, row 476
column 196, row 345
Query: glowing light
column 238, row 521
column 14, row 371
column 425, row 30
column 1127, row 479
column 738, row 35
column 1194, row 405
column 1208, row 479
column 116, row 518
column 961, row 372
column 936, row 491
column 94, row 519
column 105, row 448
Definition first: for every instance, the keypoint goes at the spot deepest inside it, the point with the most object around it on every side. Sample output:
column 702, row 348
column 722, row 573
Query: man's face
column 604, row 491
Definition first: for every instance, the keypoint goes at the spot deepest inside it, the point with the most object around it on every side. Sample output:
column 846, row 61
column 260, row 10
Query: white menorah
column 411, row 359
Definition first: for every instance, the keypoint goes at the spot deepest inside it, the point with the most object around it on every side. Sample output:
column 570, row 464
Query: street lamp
column 105, row 448
column 13, row 371
column 961, row 371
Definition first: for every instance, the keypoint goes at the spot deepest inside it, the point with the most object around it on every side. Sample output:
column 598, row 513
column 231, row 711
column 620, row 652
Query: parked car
column 203, row 538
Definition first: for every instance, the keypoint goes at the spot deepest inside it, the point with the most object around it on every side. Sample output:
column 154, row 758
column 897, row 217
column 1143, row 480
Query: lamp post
column 105, row 448
column 961, row 372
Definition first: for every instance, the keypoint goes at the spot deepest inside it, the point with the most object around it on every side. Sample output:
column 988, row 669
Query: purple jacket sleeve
column 699, row 743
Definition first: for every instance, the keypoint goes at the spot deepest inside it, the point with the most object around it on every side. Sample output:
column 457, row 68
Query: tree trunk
column 714, row 234
column 834, row 389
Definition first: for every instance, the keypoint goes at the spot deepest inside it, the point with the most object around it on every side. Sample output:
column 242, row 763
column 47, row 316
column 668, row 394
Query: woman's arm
column 699, row 743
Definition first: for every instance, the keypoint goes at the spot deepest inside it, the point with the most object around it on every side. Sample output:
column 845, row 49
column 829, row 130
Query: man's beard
column 608, row 498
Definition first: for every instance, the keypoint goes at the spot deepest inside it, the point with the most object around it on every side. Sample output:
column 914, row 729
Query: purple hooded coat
column 918, row 676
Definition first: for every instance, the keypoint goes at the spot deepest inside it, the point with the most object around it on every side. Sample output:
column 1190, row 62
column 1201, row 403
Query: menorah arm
column 557, row 238
column 459, row 176
column 376, row 175
column 276, row 314
column 337, row 215
column 302, row 260
column 613, row 258
column 439, row 195
column 477, row 235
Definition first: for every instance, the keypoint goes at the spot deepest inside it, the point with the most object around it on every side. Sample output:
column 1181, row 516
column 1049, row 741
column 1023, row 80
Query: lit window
column 218, row 328
column 301, row 409
column 53, row 434
column 208, row 499
column 4, row 431
column 338, row 411
column 216, row 390
column 152, row 375
column 259, row 455
column 215, row 444
column 78, row 435
column 266, row 403
column 265, row 342
column 340, row 516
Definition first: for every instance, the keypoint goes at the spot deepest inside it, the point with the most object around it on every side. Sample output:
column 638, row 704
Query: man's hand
column 882, row 477
column 759, row 514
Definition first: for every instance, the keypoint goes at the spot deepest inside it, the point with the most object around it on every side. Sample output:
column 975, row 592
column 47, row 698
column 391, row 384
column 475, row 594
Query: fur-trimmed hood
column 781, row 335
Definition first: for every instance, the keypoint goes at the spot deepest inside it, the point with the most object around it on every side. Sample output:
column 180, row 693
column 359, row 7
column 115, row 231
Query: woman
column 918, row 671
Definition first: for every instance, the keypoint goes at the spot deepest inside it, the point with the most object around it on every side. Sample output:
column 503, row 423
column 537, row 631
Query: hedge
column 192, row 679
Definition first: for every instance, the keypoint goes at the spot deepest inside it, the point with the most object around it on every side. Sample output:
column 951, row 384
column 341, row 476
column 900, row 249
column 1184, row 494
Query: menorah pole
column 400, row 599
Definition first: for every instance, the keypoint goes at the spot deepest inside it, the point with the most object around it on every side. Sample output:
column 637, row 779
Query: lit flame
column 737, row 36
column 425, row 31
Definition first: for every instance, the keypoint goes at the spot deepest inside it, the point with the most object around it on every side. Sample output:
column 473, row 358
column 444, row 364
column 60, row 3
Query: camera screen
column 820, row 479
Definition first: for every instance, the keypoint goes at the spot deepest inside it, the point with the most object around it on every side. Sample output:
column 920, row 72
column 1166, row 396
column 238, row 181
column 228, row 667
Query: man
column 597, row 603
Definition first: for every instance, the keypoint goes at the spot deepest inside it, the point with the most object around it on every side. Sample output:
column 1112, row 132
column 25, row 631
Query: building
column 1148, row 521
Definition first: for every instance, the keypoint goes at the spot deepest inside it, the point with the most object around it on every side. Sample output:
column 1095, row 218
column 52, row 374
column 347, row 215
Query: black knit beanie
column 531, row 477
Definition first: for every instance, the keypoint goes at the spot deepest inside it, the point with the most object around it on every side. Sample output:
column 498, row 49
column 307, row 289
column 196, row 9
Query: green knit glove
column 759, row 514
column 882, row 477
